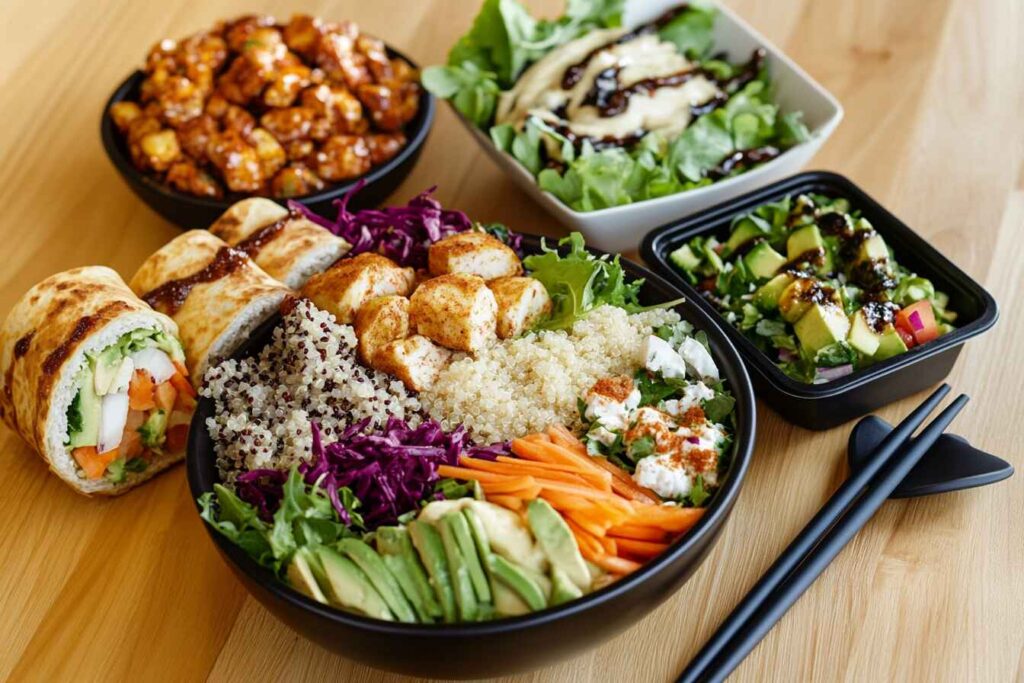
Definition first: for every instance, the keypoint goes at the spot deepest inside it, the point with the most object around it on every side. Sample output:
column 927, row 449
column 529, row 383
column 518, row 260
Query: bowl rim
column 653, row 251
column 818, row 136
column 114, row 146
column 721, row 506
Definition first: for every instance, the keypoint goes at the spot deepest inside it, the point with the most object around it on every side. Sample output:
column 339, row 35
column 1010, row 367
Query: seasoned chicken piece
column 289, row 123
column 287, row 84
column 269, row 150
column 416, row 361
column 473, row 252
column 237, row 160
column 380, row 321
column 344, row 287
column 160, row 150
column 384, row 146
column 391, row 104
column 239, row 120
column 189, row 178
column 123, row 113
column 180, row 100
column 456, row 310
column 376, row 57
column 337, row 108
column 343, row 157
column 302, row 34
column 522, row 301
column 295, row 180
column 194, row 135
column 217, row 105
column 298, row 150
column 241, row 30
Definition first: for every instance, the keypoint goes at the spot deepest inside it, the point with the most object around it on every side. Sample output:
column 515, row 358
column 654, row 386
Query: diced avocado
column 367, row 559
column 556, row 540
column 153, row 429
column 792, row 301
column 890, row 344
column 562, row 587
column 518, row 580
column 803, row 240
column 393, row 543
column 745, row 230
column 465, row 596
column 763, row 261
column 767, row 295
column 873, row 249
column 428, row 544
column 714, row 260
column 87, row 407
column 821, row 325
column 471, row 555
column 684, row 258
column 862, row 337
column 301, row 576
column 349, row 587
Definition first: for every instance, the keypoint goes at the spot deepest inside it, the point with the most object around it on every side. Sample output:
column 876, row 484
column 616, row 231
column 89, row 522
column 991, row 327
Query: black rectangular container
column 821, row 406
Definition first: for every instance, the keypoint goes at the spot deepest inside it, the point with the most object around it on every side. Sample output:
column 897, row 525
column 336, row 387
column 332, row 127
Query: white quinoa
column 308, row 372
column 520, row 386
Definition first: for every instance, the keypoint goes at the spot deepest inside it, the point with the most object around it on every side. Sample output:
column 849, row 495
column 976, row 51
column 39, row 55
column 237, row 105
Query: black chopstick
column 834, row 541
column 809, row 536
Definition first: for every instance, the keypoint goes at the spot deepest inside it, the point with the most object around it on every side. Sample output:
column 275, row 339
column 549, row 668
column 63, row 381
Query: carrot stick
column 678, row 521
column 466, row 473
column 590, row 494
column 597, row 478
column 542, row 452
column 510, row 502
column 561, row 435
column 638, row 533
column 562, row 501
column 626, row 483
column 616, row 565
column 643, row 549
column 508, row 486
column 609, row 545
column 522, row 470
column 537, row 438
column 588, row 544
column 585, row 522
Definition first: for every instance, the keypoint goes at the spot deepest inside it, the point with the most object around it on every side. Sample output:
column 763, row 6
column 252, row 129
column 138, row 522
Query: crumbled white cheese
column 610, row 413
column 661, row 358
column 667, row 478
column 693, row 395
column 603, row 436
column 698, row 359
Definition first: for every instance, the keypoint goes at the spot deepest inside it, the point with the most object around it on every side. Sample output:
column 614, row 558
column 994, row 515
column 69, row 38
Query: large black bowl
column 189, row 211
column 507, row 645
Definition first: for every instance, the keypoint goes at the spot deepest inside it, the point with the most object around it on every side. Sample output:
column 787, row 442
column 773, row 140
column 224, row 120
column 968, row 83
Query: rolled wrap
column 288, row 246
column 43, row 346
column 215, row 293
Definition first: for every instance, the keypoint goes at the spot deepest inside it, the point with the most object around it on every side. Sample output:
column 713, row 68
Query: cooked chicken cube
column 346, row 286
column 294, row 181
column 522, row 301
column 456, row 310
column 160, row 149
column 381, row 321
column 475, row 253
column 416, row 361
column 124, row 113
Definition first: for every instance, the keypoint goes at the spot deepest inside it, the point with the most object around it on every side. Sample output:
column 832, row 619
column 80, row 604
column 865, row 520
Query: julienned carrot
column 466, row 473
column 510, row 485
column 643, row 549
column 584, row 539
column 626, row 486
column 582, row 491
column 540, row 451
column 586, row 522
column 617, row 513
column 564, row 501
column 537, row 437
column 609, row 545
column 510, row 502
column 597, row 478
column 615, row 565
column 524, row 469
column 677, row 522
column 639, row 533
column 561, row 435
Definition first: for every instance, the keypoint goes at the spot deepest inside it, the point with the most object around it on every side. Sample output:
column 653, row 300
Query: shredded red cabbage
column 402, row 233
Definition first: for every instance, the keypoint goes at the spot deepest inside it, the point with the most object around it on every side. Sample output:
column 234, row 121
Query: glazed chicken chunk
column 521, row 302
column 381, row 321
column 416, row 361
column 474, row 253
column 345, row 287
column 456, row 310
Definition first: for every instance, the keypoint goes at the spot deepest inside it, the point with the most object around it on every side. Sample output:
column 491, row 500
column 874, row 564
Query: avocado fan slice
column 428, row 544
column 367, row 559
column 470, row 553
column 465, row 596
column 556, row 540
column 516, row 579
column 349, row 587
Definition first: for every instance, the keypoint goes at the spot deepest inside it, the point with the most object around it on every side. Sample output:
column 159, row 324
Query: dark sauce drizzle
column 169, row 297
column 21, row 346
column 252, row 244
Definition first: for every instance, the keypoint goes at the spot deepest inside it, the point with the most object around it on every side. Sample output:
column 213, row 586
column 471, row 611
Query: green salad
column 813, row 285
column 603, row 116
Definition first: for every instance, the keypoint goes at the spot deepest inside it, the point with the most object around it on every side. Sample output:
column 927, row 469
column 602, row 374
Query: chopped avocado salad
column 812, row 284
column 133, row 402
column 605, row 116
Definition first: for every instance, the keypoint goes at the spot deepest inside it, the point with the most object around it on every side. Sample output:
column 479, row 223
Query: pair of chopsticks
column 814, row 548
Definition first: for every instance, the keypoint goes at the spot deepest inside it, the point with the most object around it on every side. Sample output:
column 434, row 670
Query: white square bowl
column 621, row 228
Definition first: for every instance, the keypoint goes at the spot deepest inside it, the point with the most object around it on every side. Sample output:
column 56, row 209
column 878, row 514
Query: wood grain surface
column 931, row 590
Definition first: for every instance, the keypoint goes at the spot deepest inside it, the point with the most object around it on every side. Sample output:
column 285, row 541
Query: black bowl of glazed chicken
column 253, row 107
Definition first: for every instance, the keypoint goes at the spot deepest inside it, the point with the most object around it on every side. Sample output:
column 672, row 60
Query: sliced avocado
column 862, row 337
column 476, row 528
column 105, row 366
column 153, row 429
column 395, row 542
column 556, row 540
column 507, row 602
column 745, row 230
column 474, row 554
column 803, row 240
column 301, row 576
column 873, row 249
column 465, row 594
column 367, row 559
column 88, row 406
column 890, row 344
column 714, row 260
column 763, row 261
column 349, row 587
column 767, row 295
column 399, row 568
column 820, row 326
column 518, row 580
column 428, row 544
column 684, row 258
column 562, row 587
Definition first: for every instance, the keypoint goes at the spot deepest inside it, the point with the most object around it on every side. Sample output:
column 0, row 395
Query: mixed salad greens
column 813, row 285
column 733, row 125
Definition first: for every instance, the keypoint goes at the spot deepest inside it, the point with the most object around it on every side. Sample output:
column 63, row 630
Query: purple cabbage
column 402, row 233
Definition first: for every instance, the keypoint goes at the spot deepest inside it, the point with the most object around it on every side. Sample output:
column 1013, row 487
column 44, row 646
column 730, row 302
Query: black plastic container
column 822, row 406
column 504, row 646
column 191, row 212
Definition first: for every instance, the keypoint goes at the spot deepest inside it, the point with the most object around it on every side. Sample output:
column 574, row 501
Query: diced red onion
column 785, row 355
column 916, row 322
column 692, row 439
column 829, row 374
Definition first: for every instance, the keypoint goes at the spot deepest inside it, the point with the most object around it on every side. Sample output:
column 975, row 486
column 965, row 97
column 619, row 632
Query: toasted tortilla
column 215, row 316
column 289, row 247
column 43, row 346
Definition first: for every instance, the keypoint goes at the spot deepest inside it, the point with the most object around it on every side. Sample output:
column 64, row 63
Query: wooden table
column 933, row 589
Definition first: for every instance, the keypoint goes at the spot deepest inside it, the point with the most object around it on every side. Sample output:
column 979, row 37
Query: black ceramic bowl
column 189, row 211
column 508, row 645
column 822, row 406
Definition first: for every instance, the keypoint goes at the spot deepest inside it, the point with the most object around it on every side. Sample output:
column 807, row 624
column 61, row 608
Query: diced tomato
column 92, row 463
column 165, row 397
column 919, row 319
column 182, row 384
column 131, row 445
column 906, row 335
column 177, row 436
column 184, row 403
column 140, row 391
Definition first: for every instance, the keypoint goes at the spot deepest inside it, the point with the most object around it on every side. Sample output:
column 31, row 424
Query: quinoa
column 520, row 386
column 308, row 372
